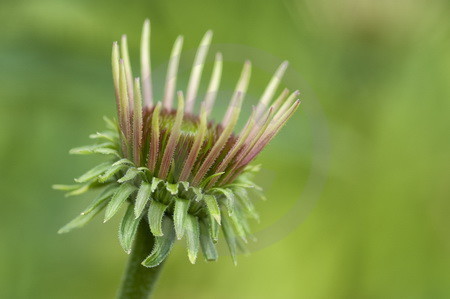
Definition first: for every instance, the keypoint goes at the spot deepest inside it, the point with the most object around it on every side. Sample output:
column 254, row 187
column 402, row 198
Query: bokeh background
column 373, row 136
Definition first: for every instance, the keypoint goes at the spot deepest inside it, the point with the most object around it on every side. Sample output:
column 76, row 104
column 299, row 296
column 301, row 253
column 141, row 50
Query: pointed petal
column 272, row 130
column 218, row 146
column 255, row 134
column 241, row 89
column 286, row 105
column 214, row 83
column 154, row 139
column 271, row 88
column 128, row 71
column 124, row 99
column 196, row 73
column 172, row 70
column 115, row 70
column 173, row 139
column 280, row 99
column 146, row 65
column 137, row 122
column 196, row 146
column 236, row 147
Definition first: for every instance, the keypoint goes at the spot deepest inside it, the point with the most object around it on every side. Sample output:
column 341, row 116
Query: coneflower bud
column 184, row 174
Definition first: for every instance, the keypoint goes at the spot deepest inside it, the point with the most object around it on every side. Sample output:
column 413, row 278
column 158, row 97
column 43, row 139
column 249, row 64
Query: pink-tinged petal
column 286, row 105
column 137, row 122
column 214, row 83
column 190, row 161
column 128, row 72
column 220, row 143
column 279, row 101
column 171, row 77
column 116, row 78
column 271, row 88
column 116, row 72
column 154, row 139
column 236, row 147
column 272, row 130
column 124, row 103
column 241, row 89
column 255, row 133
column 146, row 72
column 196, row 72
column 173, row 139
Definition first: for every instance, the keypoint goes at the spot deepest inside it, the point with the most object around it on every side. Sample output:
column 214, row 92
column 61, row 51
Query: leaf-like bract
column 179, row 216
column 123, row 161
column 207, row 244
column 208, row 179
column 230, row 198
column 131, row 174
column 172, row 188
column 115, row 168
column 105, row 195
column 142, row 197
column 107, row 135
column 82, row 189
column 128, row 229
column 162, row 246
column 155, row 216
column 94, row 172
column 230, row 237
column 122, row 194
column 246, row 203
column 155, row 183
column 212, row 206
column 81, row 220
column 192, row 237
column 214, row 228
column 90, row 149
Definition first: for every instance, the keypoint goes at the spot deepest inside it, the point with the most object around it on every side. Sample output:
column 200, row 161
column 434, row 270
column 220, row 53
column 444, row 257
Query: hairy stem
column 138, row 281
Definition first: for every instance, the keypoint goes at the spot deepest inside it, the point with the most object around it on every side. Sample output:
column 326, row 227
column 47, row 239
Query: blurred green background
column 373, row 131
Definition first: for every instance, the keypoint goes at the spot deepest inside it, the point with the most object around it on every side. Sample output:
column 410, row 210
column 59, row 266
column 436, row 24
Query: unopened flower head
column 174, row 167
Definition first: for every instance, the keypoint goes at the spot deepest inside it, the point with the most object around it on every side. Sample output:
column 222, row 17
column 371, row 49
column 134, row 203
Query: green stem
column 138, row 281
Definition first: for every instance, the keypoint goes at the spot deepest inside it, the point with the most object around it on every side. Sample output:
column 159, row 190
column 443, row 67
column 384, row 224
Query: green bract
column 183, row 174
